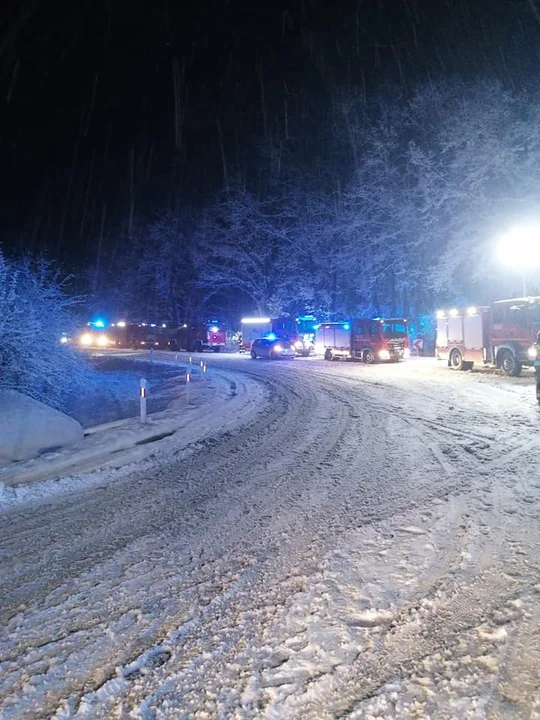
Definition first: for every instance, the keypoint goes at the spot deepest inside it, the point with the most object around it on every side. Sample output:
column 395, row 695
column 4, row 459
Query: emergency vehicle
column 253, row 328
column 369, row 340
column 93, row 336
column 209, row 335
column 500, row 335
column 300, row 332
column 141, row 335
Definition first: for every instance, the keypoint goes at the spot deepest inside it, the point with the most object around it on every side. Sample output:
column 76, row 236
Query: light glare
column 520, row 247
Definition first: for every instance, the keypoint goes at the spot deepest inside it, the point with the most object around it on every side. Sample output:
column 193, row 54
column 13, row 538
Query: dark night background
column 89, row 88
column 113, row 111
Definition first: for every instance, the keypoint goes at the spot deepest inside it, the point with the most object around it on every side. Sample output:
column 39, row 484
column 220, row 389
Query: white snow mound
column 28, row 427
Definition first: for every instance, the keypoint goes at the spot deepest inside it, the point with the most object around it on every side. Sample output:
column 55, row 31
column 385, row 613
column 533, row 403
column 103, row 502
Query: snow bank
column 28, row 427
column 111, row 451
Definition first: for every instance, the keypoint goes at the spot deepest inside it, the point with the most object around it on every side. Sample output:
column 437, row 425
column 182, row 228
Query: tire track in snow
column 320, row 465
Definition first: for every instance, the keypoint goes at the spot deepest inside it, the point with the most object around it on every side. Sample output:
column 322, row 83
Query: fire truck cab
column 501, row 335
column 369, row 340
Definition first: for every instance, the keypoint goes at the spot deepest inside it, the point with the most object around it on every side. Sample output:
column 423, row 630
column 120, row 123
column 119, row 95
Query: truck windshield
column 394, row 329
column 284, row 328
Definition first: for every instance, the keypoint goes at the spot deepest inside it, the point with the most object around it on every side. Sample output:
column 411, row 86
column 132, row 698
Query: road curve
column 366, row 546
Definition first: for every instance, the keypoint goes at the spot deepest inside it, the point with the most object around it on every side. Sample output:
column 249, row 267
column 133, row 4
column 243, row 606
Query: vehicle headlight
column 86, row 339
column 298, row 344
column 384, row 354
column 278, row 348
column 406, row 353
column 532, row 352
column 103, row 341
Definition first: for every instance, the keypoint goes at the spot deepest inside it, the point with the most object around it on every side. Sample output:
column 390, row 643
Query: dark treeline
column 380, row 206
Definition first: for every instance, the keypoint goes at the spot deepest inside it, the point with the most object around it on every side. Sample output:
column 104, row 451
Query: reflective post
column 142, row 398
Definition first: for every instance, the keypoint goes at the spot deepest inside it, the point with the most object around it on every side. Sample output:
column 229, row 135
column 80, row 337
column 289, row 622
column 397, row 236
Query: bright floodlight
column 520, row 247
column 254, row 321
column 121, row 324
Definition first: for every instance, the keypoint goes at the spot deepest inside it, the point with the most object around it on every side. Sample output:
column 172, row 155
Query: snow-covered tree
column 34, row 312
column 242, row 246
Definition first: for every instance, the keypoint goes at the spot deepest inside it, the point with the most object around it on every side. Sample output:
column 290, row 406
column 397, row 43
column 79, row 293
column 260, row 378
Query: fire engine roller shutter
column 455, row 330
column 442, row 334
column 472, row 327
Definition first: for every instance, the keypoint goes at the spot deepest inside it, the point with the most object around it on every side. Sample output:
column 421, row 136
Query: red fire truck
column 210, row 335
column 139, row 335
column 500, row 335
column 369, row 340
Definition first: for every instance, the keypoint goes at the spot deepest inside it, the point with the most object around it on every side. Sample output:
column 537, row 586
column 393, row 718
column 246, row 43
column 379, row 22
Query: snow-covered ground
column 356, row 542
column 114, row 393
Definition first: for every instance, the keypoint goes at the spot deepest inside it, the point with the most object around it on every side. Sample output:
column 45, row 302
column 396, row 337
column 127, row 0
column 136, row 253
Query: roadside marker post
column 188, row 380
column 142, row 399
column 151, row 355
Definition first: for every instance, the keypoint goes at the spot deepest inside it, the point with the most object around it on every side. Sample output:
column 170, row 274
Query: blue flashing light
column 271, row 336
column 99, row 323
column 346, row 327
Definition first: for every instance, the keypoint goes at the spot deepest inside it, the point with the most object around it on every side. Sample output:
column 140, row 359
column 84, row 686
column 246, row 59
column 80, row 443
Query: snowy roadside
column 365, row 547
column 114, row 394
column 110, row 451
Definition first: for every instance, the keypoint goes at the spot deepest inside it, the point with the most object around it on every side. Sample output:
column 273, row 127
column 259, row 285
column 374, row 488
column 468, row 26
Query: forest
column 382, row 205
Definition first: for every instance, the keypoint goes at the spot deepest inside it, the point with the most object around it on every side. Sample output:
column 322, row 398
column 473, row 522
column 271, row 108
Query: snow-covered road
column 367, row 545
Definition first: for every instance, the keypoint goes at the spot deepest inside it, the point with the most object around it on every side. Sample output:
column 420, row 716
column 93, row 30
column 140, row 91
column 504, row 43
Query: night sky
column 96, row 96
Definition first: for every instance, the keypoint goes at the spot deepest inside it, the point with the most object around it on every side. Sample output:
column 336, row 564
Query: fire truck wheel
column 509, row 364
column 456, row 360
column 253, row 355
column 328, row 355
column 368, row 357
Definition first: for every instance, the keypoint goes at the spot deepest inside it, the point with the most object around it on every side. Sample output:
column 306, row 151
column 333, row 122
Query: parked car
column 271, row 349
